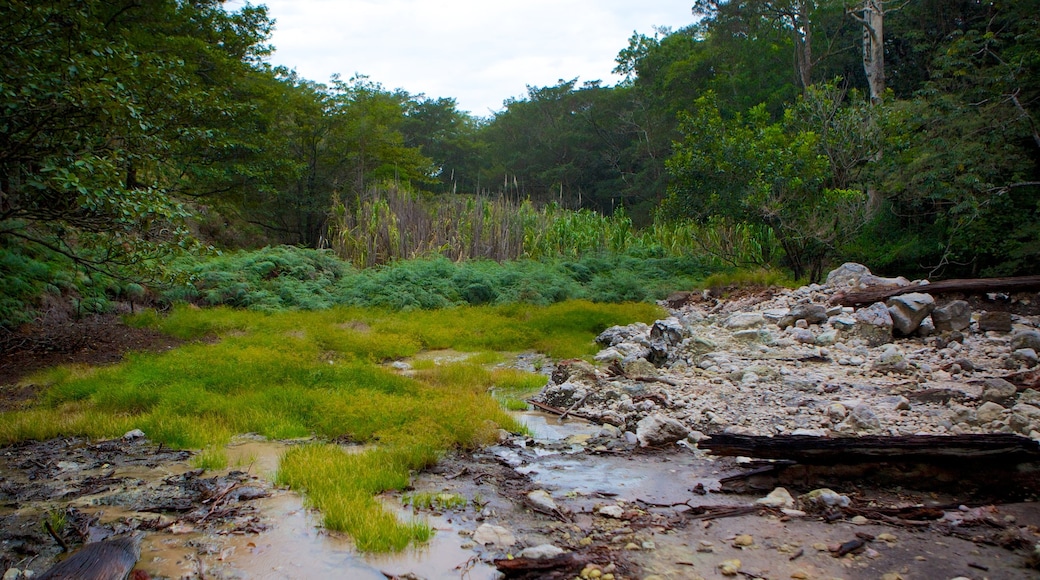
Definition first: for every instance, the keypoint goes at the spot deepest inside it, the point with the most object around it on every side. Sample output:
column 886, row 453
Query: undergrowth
column 321, row 373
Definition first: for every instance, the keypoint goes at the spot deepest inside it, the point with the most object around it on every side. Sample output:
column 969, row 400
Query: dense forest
column 791, row 133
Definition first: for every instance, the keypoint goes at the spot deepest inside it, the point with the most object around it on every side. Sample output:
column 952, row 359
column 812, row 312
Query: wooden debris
column 967, row 286
column 517, row 567
column 557, row 411
column 805, row 449
column 107, row 560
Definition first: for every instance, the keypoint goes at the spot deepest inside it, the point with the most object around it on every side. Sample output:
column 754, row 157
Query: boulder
column 541, row 500
column 998, row 390
column 872, row 281
column 989, row 411
column 873, row 324
column 909, row 310
column 863, row 418
column 541, row 552
column 655, row 430
column 669, row 330
column 847, row 275
column 953, row 316
column 1026, row 339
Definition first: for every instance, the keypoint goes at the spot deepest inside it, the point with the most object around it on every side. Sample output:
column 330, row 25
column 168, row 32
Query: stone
column 541, row 499
column 1025, row 355
column 806, row 314
column 655, row 430
column 873, row 324
column 133, row 434
column 12, row 574
column 998, row 390
column 803, row 336
column 541, row 552
column 743, row 540
column 497, row 535
column 778, row 498
column 863, row 418
column 823, row 498
column 754, row 335
column 953, row 316
column 670, row 330
column 730, row 567
column 1025, row 339
column 908, row 310
column 995, row 321
column 989, row 411
column 872, row 281
column 837, row 412
column 827, row 338
column 640, row 367
column 744, row 320
column 611, row 511
column 847, row 275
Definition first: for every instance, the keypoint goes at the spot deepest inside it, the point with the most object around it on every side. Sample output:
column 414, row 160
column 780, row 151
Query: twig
column 579, row 403
column 50, row 530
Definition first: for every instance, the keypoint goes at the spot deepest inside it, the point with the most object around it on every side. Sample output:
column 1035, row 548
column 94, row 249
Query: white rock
column 541, row 552
column 611, row 511
column 778, row 498
column 744, row 320
column 497, row 535
column 658, row 429
column 541, row 499
column 133, row 434
column 989, row 411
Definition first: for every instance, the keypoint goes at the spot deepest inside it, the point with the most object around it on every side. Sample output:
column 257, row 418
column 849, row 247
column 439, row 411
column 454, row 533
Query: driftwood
column 968, row 286
column 1000, row 448
column 562, row 412
column 563, row 564
column 106, row 560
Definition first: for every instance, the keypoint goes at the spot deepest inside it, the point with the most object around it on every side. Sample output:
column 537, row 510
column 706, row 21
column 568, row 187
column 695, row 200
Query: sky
column 479, row 52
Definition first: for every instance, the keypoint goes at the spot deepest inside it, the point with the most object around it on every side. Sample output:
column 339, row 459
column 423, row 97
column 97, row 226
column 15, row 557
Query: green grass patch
column 318, row 373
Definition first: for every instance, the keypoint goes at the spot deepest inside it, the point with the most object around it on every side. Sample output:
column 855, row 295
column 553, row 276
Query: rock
column 821, row 499
column 670, row 330
column 872, row 281
column 744, row 320
column 541, row 552
column 497, row 535
column 847, row 275
column 655, row 430
column 730, row 567
column 1025, row 339
column 778, row 498
column 133, row 435
column 12, row 574
column 989, row 411
column 807, row 313
column 803, row 336
column 998, row 390
column 541, row 499
column 996, row 321
column 743, row 540
column 827, row 338
column 1027, row 356
column 640, row 367
column 953, row 316
column 863, row 418
column 908, row 310
column 611, row 511
column 873, row 324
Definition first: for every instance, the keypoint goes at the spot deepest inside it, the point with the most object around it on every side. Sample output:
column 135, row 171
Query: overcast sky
column 479, row 52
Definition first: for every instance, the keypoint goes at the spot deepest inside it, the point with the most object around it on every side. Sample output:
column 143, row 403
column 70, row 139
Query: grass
column 434, row 501
column 319, row 373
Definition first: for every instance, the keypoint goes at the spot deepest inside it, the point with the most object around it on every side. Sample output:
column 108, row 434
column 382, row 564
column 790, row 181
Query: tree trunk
column 873, row 21
column 968, row 286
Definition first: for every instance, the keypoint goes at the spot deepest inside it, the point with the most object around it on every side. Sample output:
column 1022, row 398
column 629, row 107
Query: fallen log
column 106, row 560
column 564, row 564
column 967, row 286
column 562, row 412
column 805, row 449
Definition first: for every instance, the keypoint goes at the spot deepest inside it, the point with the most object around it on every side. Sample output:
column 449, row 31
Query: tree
column 100, row 106
column 753, row 171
